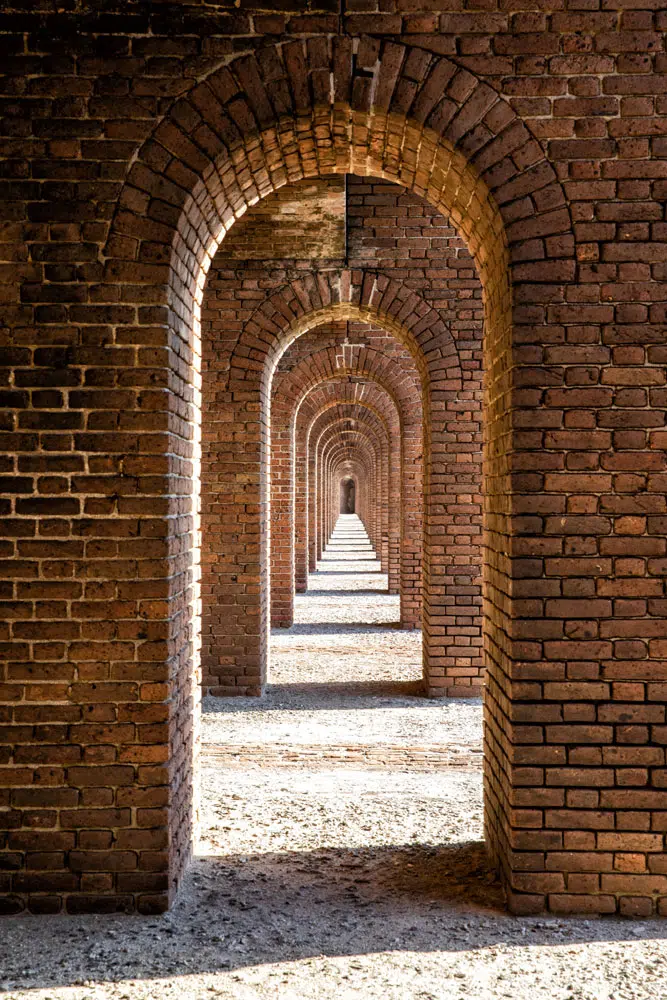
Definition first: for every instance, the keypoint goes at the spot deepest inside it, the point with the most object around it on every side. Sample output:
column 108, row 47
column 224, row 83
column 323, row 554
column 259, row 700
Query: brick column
column 234, row 598
column 282, row 520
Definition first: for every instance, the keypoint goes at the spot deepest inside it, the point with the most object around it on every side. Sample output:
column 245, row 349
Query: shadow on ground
column 325, row 592
column 240, row 911
column 337, row 572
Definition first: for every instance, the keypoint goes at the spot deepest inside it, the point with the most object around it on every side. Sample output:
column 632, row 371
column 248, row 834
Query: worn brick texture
column 132, row 138
column 299, row 222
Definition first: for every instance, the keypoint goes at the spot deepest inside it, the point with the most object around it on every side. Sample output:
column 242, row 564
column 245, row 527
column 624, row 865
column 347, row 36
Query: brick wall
column 131, row 141
column 306, row 221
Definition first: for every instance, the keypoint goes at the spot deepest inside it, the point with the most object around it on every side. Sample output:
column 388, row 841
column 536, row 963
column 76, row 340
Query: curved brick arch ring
column 316, row 407
column 367, row 362
column 338, row 445
column 273, row 118
column 323, row 429
column 337, row 441
column 376, row 108
column 285, row 470
column 368, row 296
column 382, row 404
column 400, row 375
column 332, row 392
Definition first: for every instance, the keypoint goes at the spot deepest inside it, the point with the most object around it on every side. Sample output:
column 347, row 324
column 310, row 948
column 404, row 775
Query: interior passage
column 342, row 811
column 346, row 683
column 346, row 628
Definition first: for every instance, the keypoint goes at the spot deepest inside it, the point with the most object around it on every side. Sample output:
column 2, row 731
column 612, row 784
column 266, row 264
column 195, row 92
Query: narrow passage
column 346, row 629
column 343, row 807
column 345, row 679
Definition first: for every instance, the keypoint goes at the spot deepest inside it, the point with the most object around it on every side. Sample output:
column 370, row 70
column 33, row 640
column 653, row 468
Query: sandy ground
column 337, row 881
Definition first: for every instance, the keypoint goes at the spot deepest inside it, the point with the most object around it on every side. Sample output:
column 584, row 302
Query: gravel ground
column 336, row 884
column 286, row 717
column 347, row 626
column 345, row 671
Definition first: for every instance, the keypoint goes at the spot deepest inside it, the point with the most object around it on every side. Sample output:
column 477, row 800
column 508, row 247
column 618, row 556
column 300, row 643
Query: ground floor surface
column 341, row 853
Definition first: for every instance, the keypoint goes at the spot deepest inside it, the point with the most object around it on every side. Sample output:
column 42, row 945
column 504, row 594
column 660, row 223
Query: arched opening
column 446, row 137
column 347, row 492
column 376, row 378
column 361, row 346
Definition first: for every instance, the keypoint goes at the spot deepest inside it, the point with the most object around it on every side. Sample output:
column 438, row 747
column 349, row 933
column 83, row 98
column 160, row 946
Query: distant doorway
column 347, row 497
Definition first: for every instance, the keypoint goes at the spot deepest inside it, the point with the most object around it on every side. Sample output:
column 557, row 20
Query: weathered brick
column 574, row 529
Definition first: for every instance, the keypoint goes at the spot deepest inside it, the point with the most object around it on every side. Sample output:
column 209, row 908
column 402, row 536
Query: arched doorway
column 463, row 149
column 347, row 496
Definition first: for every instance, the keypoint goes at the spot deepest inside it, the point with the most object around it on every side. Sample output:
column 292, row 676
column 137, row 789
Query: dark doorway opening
column 347, row 497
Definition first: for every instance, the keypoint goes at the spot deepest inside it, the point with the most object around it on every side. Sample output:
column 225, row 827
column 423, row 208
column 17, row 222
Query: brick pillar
column 282, row 520
column 319, row 504
column 412, row 525
column 312, row 505
column 234, row 530
column 383, row 505
column 586, row 822
column 301, row 526
column 453, row 660
column 394, row 519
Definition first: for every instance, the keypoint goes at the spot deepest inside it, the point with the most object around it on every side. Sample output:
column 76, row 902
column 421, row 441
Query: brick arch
column 338, row 445
column 380, row 407
column 316, row 400
column 343, row 455
column 283, row 501
column 348, row 295
column 374, row 108
column 393, row 111
column 350, row 470
column 375, row 399
column 294, row 480
column 394, row 374
column 321, row 430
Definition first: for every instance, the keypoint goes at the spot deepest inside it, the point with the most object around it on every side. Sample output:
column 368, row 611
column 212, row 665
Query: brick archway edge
column 268, row 119
column 292, row 400
column 421, row 121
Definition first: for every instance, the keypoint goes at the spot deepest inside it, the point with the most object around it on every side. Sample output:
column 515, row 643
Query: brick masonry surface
column 132, row 137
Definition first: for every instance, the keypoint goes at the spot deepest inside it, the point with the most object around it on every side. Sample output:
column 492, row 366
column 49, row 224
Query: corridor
column 346, row 625
column 345, row 678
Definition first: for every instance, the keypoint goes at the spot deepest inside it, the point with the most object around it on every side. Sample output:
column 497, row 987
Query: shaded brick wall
column 305, row 221
column 128, row 148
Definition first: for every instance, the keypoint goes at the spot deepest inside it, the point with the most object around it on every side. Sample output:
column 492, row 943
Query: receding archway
column 370, row 127
column 365, row 372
